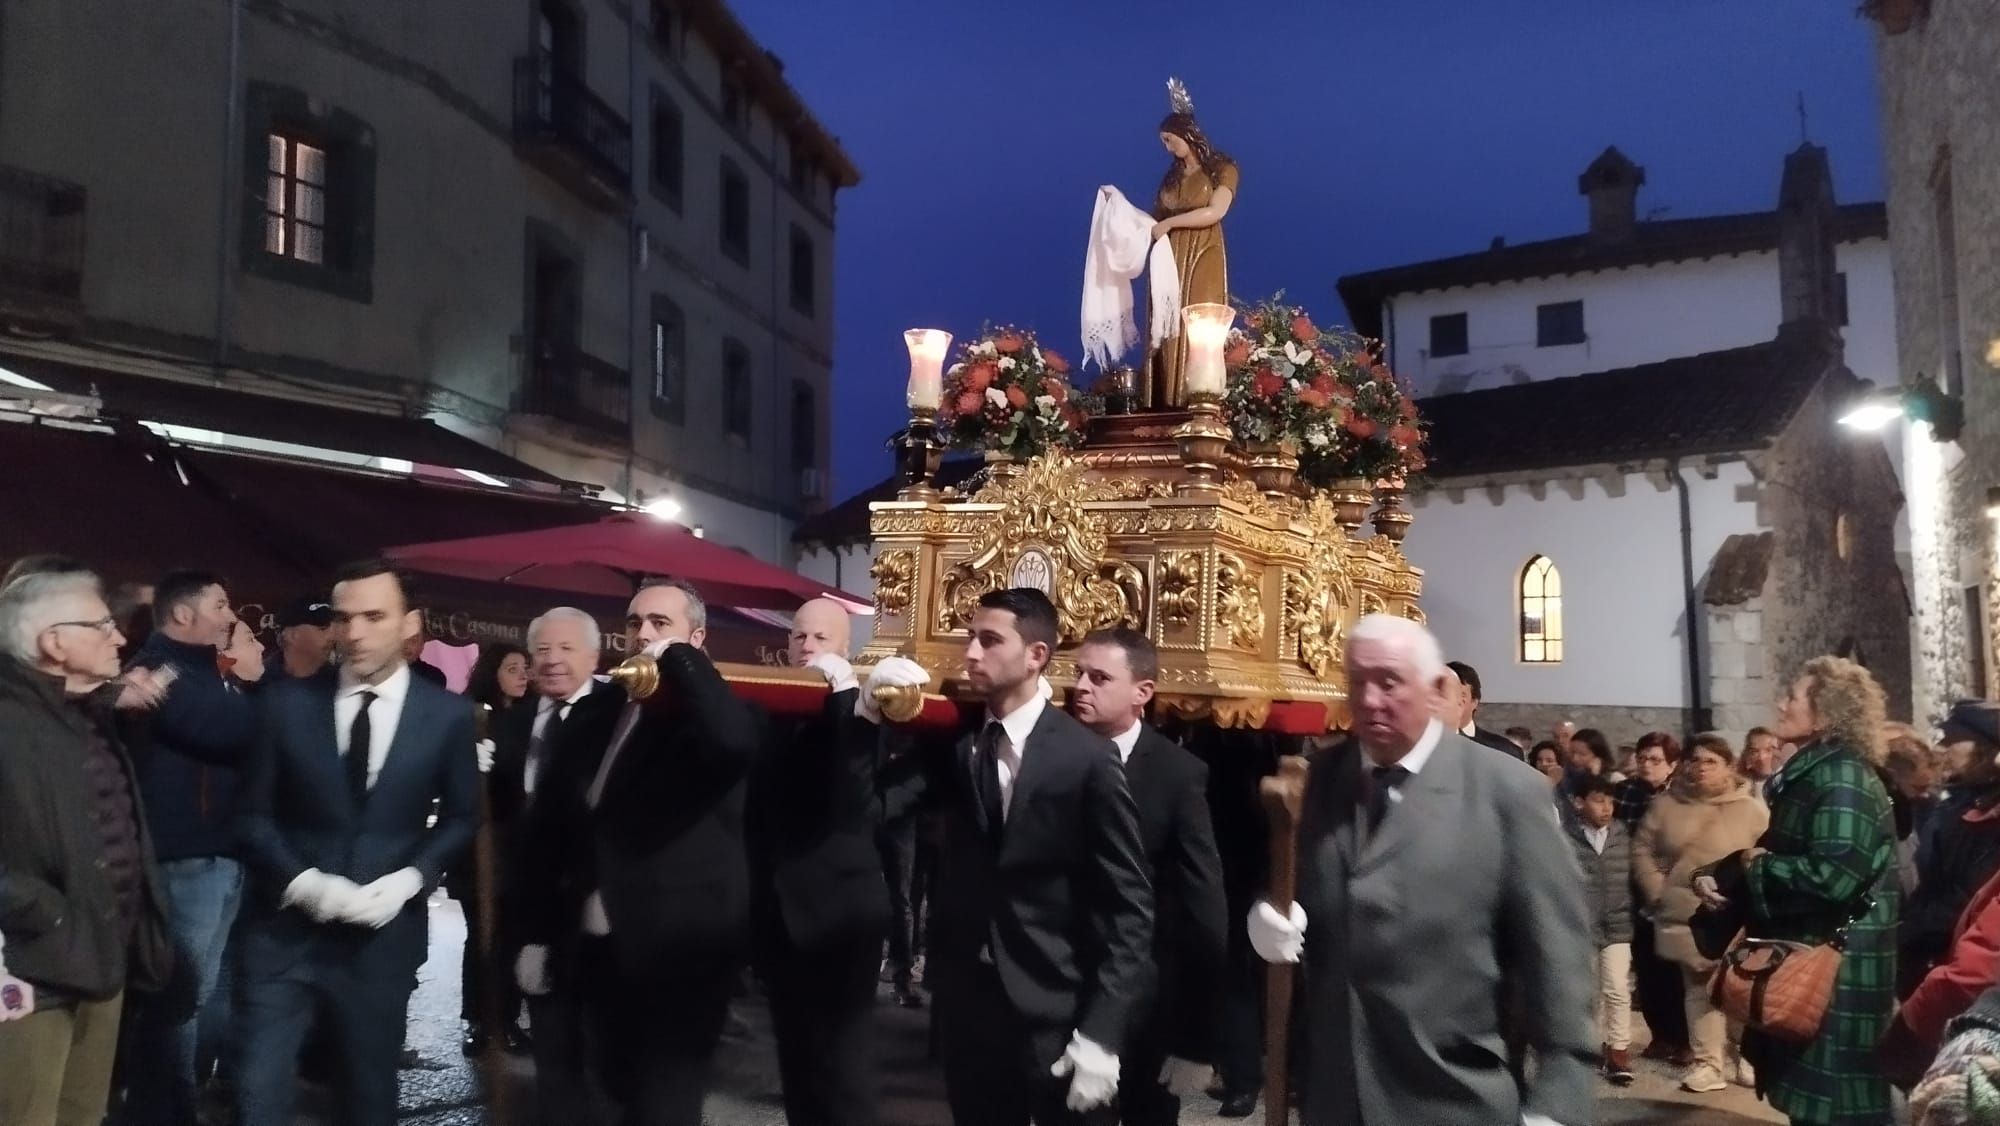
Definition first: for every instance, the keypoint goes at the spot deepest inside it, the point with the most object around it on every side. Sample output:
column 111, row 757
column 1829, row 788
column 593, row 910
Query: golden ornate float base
column 1249, row 600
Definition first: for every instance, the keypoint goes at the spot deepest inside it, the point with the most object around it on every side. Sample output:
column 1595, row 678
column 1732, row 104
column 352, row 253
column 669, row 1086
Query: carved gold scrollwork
column 1239, row 602
column 895, row 574
column 1316, row 598
column 1179, row 590
column 1415, row 613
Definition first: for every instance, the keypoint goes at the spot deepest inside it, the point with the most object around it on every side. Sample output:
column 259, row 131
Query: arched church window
column 1541, row 612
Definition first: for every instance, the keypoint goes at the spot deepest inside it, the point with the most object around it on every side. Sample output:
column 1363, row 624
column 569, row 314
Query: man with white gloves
column 1041, row 924
column 335, row 809
column 1428, row 867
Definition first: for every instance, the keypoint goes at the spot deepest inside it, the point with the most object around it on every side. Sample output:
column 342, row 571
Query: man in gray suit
column 1430, row 862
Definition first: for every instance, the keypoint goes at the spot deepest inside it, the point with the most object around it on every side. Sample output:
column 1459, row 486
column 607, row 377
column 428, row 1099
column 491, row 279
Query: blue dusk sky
column 1369, row 135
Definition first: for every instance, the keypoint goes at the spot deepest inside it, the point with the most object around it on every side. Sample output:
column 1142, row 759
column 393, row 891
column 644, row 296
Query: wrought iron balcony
column 572, row 134
column 572, row 386
column 41, row 248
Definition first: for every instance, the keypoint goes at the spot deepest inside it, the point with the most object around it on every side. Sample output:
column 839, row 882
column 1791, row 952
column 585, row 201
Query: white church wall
column 1620, row 562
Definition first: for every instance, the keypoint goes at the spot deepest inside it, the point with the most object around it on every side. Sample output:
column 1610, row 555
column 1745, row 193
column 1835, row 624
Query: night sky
column 1369, row 135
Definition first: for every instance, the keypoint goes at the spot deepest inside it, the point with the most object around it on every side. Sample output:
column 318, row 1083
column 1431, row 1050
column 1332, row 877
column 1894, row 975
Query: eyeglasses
column 106, row 625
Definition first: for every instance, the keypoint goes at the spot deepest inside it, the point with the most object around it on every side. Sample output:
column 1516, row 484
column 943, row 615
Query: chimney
column 1612, row 185
column 1806, row 240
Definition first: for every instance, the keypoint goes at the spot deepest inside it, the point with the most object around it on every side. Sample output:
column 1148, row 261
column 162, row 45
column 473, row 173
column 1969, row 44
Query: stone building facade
column 1938, row 69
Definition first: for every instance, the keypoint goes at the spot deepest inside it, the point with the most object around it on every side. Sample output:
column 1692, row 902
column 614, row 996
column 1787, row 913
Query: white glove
column 531, row 970
column 1274, row 937
column 835, row 668
column 1042, row 686
column 484, row 749
column 384, row 899
column 661, row 646
column 1092, row 1071
column 326, row 898
column 892, row 672
column 1185, row 1078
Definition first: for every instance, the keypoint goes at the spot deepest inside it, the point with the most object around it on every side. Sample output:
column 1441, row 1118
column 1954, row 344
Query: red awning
column 609, row 557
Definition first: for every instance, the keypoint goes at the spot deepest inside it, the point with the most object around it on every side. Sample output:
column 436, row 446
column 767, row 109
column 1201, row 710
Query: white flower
column 996, row 396
column 986, row 348
column 1046, row 402
column 1007, row 363
column 1316, row 438
column 1296, row 354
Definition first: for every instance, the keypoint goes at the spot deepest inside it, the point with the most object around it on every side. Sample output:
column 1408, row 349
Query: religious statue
column 1194, row 196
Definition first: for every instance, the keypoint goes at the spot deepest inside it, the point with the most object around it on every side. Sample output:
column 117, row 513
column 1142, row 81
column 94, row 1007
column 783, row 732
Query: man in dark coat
column 1174, row 1037
column 1466, row 710
column 81, row 904
column 1041, row 928
column 818, row 900
column 638, row 893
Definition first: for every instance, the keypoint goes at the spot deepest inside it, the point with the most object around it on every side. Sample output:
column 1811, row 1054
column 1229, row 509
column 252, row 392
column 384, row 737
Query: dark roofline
column 1651, row 243
column 739, row 50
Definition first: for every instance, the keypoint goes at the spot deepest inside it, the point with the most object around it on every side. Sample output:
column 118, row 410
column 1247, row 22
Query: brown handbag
column 1781, row 988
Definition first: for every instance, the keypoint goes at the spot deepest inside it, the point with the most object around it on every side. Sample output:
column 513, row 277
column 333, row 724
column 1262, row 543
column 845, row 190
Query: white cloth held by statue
column 1122, row 245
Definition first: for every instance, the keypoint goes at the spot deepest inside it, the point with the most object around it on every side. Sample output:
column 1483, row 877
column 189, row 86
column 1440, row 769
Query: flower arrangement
column 1326, row 393
column 1007, row 394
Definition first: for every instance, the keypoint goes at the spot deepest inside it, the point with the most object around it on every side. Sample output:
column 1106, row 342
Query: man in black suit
column 1115, row 671
column 1462, row 710
column 335, row 812
column 637, row 887
column 818, row 900
column 1042, row 922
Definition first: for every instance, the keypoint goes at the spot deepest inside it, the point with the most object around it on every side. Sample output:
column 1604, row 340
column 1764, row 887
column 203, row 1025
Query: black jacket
column 1190, row 917
column 664, row 847
column 58, row 912
column 1063, row 902
column 1496, row 741
column 813, row 813
column 198, row 740
column 297, row 813
column 1963, row 854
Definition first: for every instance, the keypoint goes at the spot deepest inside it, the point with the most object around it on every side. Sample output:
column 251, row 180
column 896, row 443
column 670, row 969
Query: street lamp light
column 1873, row 412
column 662, row 508
column 1920, row 400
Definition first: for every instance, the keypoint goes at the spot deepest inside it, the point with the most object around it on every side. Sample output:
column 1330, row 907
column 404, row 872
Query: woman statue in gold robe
column 1194, row 196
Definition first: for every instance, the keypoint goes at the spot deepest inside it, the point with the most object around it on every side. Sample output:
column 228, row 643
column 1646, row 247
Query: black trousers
column 1240, row 1037
column 364, row 1025
column 476, row 974
column 569, row 1085
column 906, row 865
column 823, row 1011
column 654, row 1031
column 1659, row 992
column 996, row 1065
column 1142, row 1101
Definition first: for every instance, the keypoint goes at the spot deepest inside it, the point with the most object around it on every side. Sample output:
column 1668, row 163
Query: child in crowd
column 1604, row 849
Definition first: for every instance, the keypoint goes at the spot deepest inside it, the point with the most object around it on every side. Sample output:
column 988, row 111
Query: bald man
column 819, row 904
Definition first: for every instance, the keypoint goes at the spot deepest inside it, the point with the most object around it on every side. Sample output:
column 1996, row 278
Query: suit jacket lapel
column 1344, row 808
column 1425, row 797
column 326, row 748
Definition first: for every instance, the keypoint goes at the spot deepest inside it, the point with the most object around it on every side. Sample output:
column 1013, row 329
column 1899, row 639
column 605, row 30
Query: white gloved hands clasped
column 326, row 898
column 839, row 673
column 891, row 672
column 384, row 899
column 531, row 970
column 1092, row 1071
column 1277, row 938
column 484, row 749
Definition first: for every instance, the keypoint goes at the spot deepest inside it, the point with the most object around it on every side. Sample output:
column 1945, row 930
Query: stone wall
column 1742, row 689
column 1940, row 84
column 1621, row 725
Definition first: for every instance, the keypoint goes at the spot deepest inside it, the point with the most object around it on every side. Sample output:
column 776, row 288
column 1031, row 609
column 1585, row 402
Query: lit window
column 1541, row 612
column 295, row 200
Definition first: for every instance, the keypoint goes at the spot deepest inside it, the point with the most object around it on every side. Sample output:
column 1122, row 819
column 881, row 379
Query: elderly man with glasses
column 79, row 896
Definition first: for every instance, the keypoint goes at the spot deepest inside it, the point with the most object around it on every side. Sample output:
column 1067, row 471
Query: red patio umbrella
column 610, row 556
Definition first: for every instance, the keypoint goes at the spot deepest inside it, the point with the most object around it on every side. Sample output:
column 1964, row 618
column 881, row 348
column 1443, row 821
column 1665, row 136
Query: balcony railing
column 41, row 246
column 575, row 387
column 570, row 133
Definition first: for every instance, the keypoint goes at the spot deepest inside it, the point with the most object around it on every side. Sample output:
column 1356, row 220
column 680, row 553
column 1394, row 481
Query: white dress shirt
column 383, row 715
column 1598, row 837
column 1016, row 725
column 1127, row 740
column 546, row 710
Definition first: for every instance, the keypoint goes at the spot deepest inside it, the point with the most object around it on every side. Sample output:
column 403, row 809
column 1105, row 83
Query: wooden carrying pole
column 485, row 871
column 1283, row 794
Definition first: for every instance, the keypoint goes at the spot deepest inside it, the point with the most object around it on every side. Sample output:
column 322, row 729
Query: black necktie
column 1387, row 779
column 538, row 750
column 358, row 741
column 986, row 776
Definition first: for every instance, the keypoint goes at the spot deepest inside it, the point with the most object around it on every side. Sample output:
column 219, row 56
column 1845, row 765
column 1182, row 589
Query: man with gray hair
column 1434, row 868
column 80, row 899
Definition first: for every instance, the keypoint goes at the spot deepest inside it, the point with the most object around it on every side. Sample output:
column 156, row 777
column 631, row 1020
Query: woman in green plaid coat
column 1830, row 847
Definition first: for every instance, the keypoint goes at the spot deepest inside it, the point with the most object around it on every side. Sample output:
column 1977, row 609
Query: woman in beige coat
column 1705, row 814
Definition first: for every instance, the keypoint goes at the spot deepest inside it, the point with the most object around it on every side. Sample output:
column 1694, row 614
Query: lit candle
column 1207, row 327
column 927, row 348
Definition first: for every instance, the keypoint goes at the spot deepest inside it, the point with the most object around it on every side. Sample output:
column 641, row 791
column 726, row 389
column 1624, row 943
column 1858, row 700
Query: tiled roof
column 1716, row 402
column 1662, row 240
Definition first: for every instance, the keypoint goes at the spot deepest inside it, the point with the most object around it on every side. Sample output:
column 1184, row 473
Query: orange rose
column 1016, row 397
column 1237, row 354
column 1361, row 426
column 1266, row 383
column 1056, row 388
column 1409, row 407
column 1313, row 397
column 1302, row 328
column 970, row 403
column 1052, row 360
column 1403, row 437
column 1364, row 360
column 1008, row 343
column 1323, row 383
column 979, row 376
